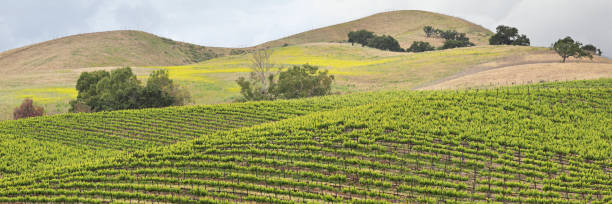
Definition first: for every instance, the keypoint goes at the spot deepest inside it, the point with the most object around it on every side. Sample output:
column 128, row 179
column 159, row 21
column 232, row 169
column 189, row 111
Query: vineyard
column 544, row 143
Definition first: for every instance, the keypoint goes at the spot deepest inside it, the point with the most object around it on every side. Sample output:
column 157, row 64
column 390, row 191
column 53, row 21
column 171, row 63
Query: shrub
column 237, row 52
column 449, row 44
column 28, row 109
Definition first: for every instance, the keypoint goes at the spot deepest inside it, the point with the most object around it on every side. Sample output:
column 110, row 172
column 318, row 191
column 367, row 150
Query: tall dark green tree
column 567, row 47
column 506, row 35
column 360, row 37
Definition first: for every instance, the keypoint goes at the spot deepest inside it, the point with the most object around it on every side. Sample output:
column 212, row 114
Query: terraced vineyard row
column 78, row 138
column 516, row 145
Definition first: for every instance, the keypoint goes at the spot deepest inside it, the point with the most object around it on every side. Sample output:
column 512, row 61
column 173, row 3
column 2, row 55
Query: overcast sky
column 236, row 23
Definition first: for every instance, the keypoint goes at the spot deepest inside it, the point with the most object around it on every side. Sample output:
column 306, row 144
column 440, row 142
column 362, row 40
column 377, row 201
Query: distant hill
column 137, row 48
column 112, row 48
column 406, row 26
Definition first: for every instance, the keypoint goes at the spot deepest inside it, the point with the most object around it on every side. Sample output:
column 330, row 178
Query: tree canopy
column 120, row 89
column 567, row 47
column 449, row 44
column 360, row 37
column 384, row 42
column 367, row 38
column 453, row 39
column 592, row 49
column 506, row 35
column 420, row 46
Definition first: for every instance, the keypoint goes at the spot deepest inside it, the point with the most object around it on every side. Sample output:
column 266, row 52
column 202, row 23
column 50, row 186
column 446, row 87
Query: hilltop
column 406, row 26
column 111, row 48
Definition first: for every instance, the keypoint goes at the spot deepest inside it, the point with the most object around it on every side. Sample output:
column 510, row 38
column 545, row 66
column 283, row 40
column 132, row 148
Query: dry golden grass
column 112, row 48
column 527, row 74
column 406, row 26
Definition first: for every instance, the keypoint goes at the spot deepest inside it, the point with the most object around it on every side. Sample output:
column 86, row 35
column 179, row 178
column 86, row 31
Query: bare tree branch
column 261, row 66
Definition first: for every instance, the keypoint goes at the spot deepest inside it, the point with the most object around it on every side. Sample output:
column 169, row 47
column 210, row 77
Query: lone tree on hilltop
column 28, row 109
column 360, row 37
column 507, row 35
column 567, row 47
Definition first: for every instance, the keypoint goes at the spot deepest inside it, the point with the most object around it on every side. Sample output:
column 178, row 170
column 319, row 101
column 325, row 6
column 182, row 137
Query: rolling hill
column 112, row 48
column 406, row 26
column 137, row 48
column 47, row 72
column 545, row 143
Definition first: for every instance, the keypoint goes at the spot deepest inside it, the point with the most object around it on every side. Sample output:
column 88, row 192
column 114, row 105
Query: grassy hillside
column 406, row 26
column 112, row 48
column 527, row 74
column 356, row 69
column 529, row 144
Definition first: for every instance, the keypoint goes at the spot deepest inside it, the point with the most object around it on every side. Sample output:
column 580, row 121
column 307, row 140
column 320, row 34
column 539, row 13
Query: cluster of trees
column 568, row 47
column 120, row 89
column 506, row 35
column 296, row 82
column 28, row 109
column 367, row 38
column 453, row 39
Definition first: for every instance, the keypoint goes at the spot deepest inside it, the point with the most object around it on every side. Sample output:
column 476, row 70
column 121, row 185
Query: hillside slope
column 527, row 74
column 511, row 145
column 406, row 26
column 356, row 69
column 112, row 48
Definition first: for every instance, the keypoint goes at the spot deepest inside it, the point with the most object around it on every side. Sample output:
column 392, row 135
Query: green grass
column 544, row 144
column 361, row 69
